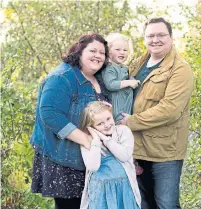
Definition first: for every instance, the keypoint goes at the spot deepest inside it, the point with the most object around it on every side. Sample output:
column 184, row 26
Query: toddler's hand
column 134, row 83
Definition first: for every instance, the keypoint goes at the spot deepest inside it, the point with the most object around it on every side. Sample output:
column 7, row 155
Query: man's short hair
column 159, row 20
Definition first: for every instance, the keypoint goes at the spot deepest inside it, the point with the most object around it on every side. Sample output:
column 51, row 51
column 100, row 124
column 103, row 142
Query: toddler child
column 116, row 78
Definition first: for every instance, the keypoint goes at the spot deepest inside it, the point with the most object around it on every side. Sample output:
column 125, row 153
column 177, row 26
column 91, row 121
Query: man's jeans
column 159, row 184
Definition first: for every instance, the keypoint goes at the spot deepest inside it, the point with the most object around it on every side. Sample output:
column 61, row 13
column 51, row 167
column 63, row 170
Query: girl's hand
column 95, row 136
column 102, row 136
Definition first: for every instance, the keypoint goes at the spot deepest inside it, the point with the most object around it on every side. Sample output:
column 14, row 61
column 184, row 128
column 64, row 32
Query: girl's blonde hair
column 87, row 116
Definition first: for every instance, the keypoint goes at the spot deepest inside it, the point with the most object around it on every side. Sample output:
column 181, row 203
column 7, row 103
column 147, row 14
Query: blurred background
column 34, row 35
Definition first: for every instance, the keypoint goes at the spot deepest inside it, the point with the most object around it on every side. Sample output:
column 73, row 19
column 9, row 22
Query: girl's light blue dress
column 109, row 187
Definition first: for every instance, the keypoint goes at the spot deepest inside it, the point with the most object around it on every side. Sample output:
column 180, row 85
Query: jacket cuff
column 66, row 130
column 130, row 122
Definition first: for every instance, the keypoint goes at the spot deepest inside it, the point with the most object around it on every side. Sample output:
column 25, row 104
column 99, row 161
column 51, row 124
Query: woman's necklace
column 96, row 86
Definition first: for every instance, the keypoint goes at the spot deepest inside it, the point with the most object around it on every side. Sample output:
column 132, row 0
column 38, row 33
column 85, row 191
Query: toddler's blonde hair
column 111, row 37
column 115, row 36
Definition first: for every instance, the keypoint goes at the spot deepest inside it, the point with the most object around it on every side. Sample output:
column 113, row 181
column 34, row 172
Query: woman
column 58, row 169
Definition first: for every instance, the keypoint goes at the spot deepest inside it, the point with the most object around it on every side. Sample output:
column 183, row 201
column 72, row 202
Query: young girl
column 110, row 181
column 115, row 76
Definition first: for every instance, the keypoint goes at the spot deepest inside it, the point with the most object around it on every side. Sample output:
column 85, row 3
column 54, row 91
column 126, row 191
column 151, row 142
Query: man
column 160, row 117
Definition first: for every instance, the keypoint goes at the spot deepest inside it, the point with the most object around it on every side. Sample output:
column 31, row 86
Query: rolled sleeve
column 66, row 130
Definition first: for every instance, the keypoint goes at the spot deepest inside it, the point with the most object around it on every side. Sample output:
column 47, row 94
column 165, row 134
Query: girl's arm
column 121, row 147
column 92, row 156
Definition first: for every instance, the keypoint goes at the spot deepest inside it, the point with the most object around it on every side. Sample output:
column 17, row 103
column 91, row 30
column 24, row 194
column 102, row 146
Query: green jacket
column 121, row 99
column 160, row 121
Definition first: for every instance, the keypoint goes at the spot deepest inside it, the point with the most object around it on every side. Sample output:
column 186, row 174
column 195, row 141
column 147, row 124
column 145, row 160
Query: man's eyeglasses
column 159, row 36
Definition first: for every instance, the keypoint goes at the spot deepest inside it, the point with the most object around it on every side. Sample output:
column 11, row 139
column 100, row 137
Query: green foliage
column 191, row 179
column 39, row 32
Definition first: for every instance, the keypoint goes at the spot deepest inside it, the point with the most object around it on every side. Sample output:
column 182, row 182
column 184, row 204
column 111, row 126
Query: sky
column 175, row 12
column 165, row 2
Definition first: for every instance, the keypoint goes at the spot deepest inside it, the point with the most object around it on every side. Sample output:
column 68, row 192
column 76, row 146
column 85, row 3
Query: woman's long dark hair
column 75, row 51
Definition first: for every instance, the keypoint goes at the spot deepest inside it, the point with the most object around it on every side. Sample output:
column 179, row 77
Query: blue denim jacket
column 62, row 97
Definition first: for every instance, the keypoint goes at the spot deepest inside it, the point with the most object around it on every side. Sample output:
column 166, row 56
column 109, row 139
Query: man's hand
column 124, row 120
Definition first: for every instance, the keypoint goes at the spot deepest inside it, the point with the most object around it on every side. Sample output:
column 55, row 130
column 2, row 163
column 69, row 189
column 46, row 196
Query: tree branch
column 27, row 40
column 55, row 33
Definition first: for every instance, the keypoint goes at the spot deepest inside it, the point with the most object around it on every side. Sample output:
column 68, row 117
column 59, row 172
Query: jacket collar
column 169, row 59
column 165, row 65
column 117, row 65
column 79, row 76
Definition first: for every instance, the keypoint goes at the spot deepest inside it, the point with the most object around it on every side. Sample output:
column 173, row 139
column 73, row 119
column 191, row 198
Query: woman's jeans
column 159, row 184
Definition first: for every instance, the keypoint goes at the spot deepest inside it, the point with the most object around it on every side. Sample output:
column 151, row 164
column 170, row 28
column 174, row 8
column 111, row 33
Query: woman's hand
column 107, row 103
